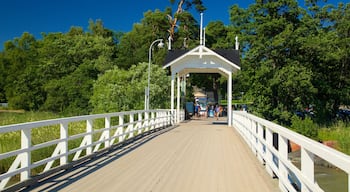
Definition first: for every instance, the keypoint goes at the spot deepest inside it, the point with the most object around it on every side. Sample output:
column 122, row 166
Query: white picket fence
column 258, row 134
column 93, row 140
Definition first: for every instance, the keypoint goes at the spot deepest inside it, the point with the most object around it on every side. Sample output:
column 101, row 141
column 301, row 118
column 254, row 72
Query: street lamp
column 147, row 91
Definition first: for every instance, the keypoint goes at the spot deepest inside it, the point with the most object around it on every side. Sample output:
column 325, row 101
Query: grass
column 339, row 132
column 15, row 117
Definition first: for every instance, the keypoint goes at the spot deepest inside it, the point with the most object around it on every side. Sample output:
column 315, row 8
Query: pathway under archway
column 202, row 60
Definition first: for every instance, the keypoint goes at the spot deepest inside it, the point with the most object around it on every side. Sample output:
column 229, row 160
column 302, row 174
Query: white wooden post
column 153, row 120
column 283, row 152
column 172, row 93
column 252, row 135
column 349, row 182
column 169, row 118
column 229, row 99
column 184, row 88
column 121, row 128
column 131, row 126
column 307, row 167
column 26, row 156
column 64, row 144
column 139, row 119
column 146, row 121
column 260, row 143
column 156, row 121
column 160, row 117
column 108, row 131
column 89, row 125
column 178, row 100
column 268, row 157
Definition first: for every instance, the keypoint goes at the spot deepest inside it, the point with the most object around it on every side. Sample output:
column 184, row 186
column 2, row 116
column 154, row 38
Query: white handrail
column 258, row 134
column 138, row 122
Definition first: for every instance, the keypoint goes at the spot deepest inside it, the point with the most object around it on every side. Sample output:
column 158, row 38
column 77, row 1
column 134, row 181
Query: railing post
column 169, row 118
column 64, row 144
column 178, row 100
column 146, row 121
column 108, row 131
column 121, row 128
column 260, row 146
column 89, row 125
column 156, row 120
column 139, row 119
column 131, row 126
column 246, row 129
column 153, row 121
column 161, row 120
column 252, row 135
column 255, row 138
column 349, row 182
column 307, row 167
column 174, row 117
column 283, row 152
column 158, row 115
column 268, row 157
column 26, row 156
column 165, row 118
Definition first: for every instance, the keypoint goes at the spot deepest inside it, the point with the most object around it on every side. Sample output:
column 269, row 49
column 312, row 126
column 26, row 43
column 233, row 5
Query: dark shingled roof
column 174, row 54
column 230, row 54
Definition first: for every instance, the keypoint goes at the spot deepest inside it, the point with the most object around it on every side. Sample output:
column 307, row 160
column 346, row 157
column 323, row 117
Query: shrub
column 305, row 127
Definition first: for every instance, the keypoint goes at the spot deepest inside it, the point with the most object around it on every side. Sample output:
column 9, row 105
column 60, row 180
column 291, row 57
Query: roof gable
column 228, row 55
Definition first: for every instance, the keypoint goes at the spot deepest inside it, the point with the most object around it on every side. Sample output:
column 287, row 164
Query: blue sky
column 37, row 16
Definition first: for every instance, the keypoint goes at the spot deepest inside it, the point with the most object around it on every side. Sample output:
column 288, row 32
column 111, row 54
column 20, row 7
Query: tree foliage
column 57, row 72
column 291, row 58
column 123, row 90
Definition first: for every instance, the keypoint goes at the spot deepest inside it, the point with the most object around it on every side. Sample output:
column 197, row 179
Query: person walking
column 217, row 111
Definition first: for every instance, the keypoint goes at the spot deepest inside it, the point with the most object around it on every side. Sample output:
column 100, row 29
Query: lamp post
column 147, row 91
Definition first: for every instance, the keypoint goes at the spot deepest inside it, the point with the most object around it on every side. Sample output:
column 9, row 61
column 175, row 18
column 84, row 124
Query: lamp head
column 160, row 44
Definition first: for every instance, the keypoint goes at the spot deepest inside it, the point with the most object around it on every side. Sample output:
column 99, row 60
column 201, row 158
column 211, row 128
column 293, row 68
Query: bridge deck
column 196, row 156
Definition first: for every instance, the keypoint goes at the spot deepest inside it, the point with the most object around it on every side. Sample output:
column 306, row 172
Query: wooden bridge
column 195, row 156
column 151, row 151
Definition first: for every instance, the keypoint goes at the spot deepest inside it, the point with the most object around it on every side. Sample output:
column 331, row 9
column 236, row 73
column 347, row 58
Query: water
column 331, row 179
column 328, row 177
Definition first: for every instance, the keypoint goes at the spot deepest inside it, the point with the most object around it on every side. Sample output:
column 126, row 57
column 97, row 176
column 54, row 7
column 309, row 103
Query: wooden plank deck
column 199, row 155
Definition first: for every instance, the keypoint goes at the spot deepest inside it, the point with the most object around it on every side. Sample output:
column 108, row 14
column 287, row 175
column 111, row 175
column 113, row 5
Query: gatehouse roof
column 201, row 56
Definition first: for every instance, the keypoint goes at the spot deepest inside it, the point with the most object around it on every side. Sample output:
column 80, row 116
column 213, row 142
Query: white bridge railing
column 269, row 142
column 100, row 132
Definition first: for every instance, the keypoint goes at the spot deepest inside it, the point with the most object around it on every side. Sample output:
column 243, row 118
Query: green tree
column 216, row 35
column 2, row 78
column 292, row 57
column 123, row 90
column 178, row 14
column 21, row 80
column 134, row 45
column 71, row 62
column 325, row 50
column 273, row 77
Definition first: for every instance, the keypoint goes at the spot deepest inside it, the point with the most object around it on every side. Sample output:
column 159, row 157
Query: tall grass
column 339, row 132
column 8, row 118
